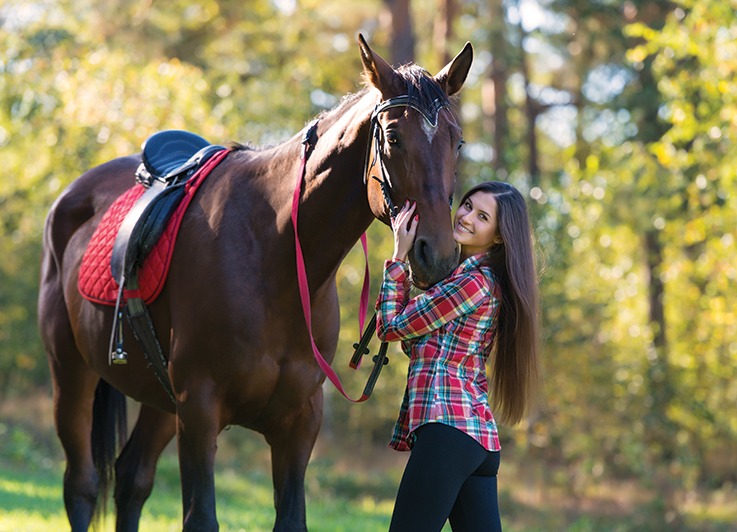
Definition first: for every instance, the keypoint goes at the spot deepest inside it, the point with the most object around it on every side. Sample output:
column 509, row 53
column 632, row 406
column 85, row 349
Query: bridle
column 429, row 113
column 308, row 142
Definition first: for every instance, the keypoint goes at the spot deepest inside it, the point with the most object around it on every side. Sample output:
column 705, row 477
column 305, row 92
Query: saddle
column 170, row 158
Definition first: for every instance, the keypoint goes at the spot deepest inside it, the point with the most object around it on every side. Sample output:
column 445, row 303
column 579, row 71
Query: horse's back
column 85, row 198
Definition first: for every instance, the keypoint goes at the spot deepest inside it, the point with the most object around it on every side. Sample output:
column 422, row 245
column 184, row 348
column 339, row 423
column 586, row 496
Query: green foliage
column 695, row 62
column 636, row 133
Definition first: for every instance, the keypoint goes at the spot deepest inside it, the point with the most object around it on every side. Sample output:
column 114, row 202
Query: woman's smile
column 463, row 229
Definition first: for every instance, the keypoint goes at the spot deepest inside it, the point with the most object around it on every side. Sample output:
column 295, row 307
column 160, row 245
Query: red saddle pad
column 96, row 282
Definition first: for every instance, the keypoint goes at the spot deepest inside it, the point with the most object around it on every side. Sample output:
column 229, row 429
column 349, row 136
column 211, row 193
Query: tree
column 693, row 62
column 401, row 34
column 443, row 30
column 495, row 99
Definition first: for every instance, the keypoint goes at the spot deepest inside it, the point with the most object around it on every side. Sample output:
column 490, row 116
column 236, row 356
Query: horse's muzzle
column 428, row 266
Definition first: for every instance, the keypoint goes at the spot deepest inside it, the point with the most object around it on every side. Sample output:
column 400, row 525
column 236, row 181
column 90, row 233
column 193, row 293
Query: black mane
column 422, row 89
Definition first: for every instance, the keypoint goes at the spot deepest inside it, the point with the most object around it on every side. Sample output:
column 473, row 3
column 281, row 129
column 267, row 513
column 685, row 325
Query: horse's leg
column 197, row 431
column 136, row 465
column 291, row 446
column 74, row 392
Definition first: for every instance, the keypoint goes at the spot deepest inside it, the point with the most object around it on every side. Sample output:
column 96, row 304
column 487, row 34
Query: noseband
column 429, row 113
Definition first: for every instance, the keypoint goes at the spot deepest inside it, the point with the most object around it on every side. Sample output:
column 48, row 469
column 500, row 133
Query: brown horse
column 228, row 318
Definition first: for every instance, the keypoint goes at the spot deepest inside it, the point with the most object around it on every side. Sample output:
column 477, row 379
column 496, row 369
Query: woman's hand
column 404, row 226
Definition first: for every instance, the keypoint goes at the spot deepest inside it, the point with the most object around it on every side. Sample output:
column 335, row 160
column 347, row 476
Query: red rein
column 304, row 289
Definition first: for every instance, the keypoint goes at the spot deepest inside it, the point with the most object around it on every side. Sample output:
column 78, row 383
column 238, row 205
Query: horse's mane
column 345, row 101
column 240, row 146
column 422, row 89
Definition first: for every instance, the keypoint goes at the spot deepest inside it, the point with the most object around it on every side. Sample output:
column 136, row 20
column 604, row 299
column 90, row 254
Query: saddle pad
column 96, row 282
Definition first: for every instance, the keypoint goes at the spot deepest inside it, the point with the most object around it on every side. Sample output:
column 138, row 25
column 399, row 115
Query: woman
column 486, row 306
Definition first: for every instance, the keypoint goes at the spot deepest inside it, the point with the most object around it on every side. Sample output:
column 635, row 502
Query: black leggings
column 449, row 475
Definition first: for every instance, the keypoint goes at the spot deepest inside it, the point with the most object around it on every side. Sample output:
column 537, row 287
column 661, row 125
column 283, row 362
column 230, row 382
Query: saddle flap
column 150, row 227
column 165, row 151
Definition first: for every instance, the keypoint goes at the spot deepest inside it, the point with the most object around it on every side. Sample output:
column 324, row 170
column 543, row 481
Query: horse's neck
column 334, row 211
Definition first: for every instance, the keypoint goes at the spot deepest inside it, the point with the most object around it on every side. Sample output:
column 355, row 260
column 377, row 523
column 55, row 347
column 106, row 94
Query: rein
column 304, row 291
column 308, row 141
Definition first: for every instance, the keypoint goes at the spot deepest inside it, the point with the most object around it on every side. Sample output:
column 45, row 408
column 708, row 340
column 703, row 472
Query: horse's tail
column 109, row 431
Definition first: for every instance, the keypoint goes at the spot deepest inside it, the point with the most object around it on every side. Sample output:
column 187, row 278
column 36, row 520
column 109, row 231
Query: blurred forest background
column 617, row 119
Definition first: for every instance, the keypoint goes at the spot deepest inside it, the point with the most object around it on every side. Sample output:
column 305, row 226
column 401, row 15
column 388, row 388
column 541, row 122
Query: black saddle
column 173, row 156
column 170, row 158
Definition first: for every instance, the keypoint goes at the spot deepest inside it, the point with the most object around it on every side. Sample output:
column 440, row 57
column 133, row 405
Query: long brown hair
column 515, row 379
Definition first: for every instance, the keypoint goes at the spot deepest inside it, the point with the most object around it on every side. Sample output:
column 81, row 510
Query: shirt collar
column 471, row 262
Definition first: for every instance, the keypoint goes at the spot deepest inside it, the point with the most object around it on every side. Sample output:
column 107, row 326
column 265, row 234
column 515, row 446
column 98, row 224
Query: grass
column 338, row 500
column 31, row 499
column 350, row 490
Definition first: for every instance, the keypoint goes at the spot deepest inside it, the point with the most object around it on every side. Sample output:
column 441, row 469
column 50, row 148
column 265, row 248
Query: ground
column 349, row 487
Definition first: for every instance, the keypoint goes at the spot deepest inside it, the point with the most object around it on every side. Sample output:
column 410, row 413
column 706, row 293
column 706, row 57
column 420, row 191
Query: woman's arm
column 400, row 318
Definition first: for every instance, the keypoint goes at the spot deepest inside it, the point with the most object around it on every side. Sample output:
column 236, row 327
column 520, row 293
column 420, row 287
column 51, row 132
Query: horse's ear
column 378, row 72
column 452, row 77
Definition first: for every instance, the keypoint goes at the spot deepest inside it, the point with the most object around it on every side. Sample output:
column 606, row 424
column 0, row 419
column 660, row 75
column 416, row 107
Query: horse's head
column 413, row 151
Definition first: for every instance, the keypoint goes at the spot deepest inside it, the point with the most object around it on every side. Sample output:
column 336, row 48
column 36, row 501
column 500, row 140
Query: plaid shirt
column 447, row 332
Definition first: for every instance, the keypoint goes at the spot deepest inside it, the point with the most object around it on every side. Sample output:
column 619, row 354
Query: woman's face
column 475, row 226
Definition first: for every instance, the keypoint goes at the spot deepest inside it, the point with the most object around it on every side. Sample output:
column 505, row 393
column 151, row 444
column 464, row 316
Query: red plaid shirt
column 447, row 332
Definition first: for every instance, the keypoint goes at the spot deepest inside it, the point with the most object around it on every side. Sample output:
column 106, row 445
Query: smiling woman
column 486, row 306
column 475, row 225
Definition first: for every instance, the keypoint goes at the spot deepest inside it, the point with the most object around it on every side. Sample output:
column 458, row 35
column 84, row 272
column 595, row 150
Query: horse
column 237, row 346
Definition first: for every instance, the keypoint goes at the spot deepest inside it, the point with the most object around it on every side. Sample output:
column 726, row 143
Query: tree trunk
column 661, row 432
column 402, row 36
column 494, row 89
column 532, row 110
column 443, row 30
column 658, row 374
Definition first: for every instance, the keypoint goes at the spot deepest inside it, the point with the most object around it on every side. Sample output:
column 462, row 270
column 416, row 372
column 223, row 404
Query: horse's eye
column 392, row 138
column 460, row 145
column 450, row 200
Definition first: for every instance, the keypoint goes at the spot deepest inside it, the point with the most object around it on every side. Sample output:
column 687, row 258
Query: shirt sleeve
column 401, row 318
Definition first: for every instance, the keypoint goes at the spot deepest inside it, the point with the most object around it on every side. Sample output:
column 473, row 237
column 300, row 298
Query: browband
column 430, row 115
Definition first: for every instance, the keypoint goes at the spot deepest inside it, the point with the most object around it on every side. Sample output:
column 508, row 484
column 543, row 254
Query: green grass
column 31, row 474
column 347, row 490
column 32, row 500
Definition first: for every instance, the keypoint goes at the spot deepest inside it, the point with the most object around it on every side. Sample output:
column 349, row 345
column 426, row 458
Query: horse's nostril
column 421, row 252
column 428, row 266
